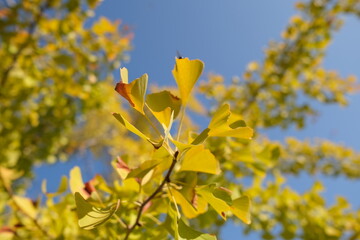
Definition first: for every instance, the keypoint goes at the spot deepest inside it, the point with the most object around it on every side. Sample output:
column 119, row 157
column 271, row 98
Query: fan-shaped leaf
column 186, row 73
column 198, row 159
column 89, row 216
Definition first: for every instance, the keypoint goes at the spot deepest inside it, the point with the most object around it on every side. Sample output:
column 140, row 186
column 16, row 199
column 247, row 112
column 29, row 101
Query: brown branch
column 31, row 31
column 158, row 190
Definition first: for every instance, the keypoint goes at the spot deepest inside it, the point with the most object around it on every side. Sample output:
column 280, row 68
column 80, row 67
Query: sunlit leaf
column 26, row 206
column 134, row 130
column 186, row 232
column 89, row 216
column 218, row 204
column 241, row 208
column 186, row 73
column 162, row 104
column 143, row 169
column 181, row 231
column 103, row 25
column 76, row 182
column 133, row 92
column 121, row 168
column 198, row 159
column 8, row 175
column 61, row 189
column 220, row 126
column 220, row 117
column 189, row 210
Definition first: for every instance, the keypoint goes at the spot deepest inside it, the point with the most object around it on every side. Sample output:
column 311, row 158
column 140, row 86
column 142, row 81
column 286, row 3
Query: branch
column 159, row 188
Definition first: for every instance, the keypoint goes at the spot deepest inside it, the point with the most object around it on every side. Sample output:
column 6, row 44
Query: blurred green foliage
column 56, row 66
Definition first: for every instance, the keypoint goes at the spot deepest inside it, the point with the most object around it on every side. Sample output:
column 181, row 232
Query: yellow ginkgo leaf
column 76, row 182
column 189, row 210
column 186, row 73
column 162, row 104
column 217, row 203
column 133, row 92
column 241, row 208
column 104, row 25
column 26, row 206
column 223, row 124
column 136, row 131
column 198, row 159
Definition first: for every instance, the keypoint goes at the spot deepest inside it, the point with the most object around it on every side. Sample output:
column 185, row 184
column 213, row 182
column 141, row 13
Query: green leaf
column 133, row 92
column 162, row 104
column 198, row 159
column 136, row 131
column 181, row 231
column 89, row 216
column 186, row 73
column 186, row 232
column 143, row 169
column 241, row 208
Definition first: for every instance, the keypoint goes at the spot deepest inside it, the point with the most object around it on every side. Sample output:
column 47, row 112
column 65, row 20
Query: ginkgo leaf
column 241, row 208
column 124, row 75
column 198, row 159
column 220, row 125
column 90, row 216
column 143, row 169
column 136, row 131
column 76, row 182
column 220, row 117
column 186, row 73
column 61, row 189
column 218, row 204
column 224, row 124
column 189, row 210
column 104, row 26
column 26, row 206
column 181, row 231
column 186, row 232
column 121, row 168
column 133, row 92
column 162, row 104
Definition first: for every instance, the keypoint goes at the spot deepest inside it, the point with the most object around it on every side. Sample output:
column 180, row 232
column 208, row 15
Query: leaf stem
column 181, row 122
column 158, row 189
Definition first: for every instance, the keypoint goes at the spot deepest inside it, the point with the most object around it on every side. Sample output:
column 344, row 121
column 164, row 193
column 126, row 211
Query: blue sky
column 227, row 35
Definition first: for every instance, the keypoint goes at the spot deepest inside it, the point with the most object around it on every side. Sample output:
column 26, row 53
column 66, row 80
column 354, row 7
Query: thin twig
column 158, row 190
